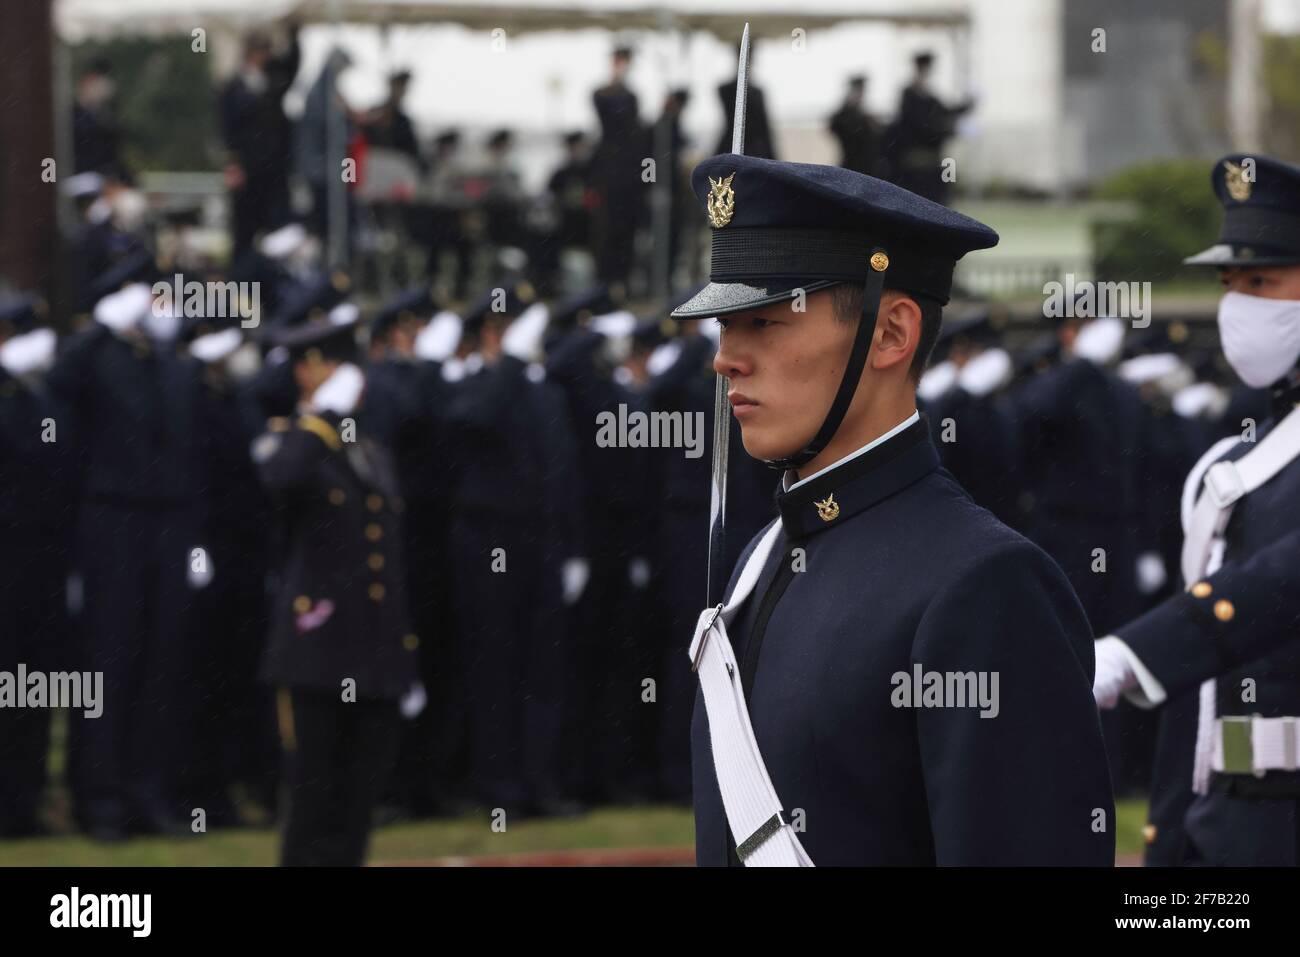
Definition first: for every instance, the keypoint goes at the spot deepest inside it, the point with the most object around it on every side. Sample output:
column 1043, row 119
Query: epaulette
column 317, row 425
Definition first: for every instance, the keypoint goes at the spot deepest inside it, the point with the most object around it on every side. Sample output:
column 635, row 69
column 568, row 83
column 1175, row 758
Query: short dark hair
column 846, row 301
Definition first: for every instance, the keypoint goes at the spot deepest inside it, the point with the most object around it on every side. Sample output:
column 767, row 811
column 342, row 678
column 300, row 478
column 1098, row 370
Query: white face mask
column 1261, row 337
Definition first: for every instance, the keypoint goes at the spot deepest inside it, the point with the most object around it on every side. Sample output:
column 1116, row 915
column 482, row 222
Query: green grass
column 466, row 836
column 469, row 835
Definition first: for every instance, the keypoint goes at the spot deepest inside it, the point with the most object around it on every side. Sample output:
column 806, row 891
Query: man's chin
column 762, row 447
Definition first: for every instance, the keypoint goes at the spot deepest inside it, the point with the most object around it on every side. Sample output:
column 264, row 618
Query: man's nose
column 731, row 360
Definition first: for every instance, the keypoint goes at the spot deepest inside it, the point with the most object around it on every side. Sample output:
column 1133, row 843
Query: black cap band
column 762, row 255
column 874, row 286
column 1261, row 227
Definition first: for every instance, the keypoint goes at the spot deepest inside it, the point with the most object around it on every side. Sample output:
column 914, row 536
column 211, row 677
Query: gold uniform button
column 1202, row 589
column 302, row 604
column 410, row 642
column 374, row 502
column 1149, row 833
column 374, row 532
column 337, row 497
column 375, row 561
column 376, row 592
column 879, row 262
column 1223, row 610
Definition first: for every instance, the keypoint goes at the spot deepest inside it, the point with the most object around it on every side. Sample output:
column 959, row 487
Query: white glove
column 1202, row 399
column 413, row 702
column 123, row 310
column 614, row 324
column 1114, row 673
column 986, row 373
column 1100, row 341
column 215, row 346
column 438, row 340
column 937, row 380
column 574, row 575
column 1151, row 573
column 32, row 352
column 523, row 338
column 341, row 391
column 283, row 242
column 344, row 314
column 638, row 572
column 664, row 357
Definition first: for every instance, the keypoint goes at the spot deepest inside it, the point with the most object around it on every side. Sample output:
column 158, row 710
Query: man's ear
column 898, row 331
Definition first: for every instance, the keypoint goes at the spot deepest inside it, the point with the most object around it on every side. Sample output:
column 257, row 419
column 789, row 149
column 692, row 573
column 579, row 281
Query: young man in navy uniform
column 1225, row 653
column 341, row 651
column 884, row 580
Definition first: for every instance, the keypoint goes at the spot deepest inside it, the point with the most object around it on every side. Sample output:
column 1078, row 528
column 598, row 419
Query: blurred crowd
column 444, row 209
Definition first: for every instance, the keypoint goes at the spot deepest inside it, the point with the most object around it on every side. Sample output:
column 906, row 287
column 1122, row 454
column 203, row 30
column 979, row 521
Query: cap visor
column 723, row 298
column 1226, row 255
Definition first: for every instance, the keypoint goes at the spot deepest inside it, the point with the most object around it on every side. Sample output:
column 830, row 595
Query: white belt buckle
column 1223, row 484
column 704, row 637
column 1290, row 743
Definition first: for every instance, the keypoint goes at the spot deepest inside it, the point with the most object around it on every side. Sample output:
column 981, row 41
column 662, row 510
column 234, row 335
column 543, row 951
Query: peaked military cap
column 782, row 227
column 23, row 312
column 313, row 299
column 136, row 266
column 416, row 303
column 596, row 301
column 1261, row 213
column 319, row 337
column 518, row 297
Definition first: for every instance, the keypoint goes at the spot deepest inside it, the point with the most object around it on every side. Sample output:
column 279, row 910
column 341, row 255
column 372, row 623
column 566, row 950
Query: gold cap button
column 374, row 532
column 1223, row 610
column 879, row 262
column 337, row 497
column 1202, row 589
column 374, row 502
column 376, row 592
column 302, row 604
column 375, row 561
column 410, row 642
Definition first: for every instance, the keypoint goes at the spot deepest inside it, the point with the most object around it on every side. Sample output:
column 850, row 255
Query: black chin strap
column 871, row 292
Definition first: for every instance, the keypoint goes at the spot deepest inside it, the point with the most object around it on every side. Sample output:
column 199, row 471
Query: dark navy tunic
column 909, row 570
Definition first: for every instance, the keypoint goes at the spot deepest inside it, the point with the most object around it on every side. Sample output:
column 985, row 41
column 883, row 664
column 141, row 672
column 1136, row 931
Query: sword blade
column 718, row 571
column 742, row 95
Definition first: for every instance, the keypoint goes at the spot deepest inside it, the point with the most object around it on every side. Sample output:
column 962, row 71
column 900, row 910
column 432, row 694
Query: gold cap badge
column 828, row 510
column 879, row 262
column 1234, row 178
column 721, row 202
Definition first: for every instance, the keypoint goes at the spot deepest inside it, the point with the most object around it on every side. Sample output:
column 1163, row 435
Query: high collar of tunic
column 834, row 496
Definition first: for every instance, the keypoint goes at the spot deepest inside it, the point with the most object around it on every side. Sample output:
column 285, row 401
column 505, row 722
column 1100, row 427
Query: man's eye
column 761, row 323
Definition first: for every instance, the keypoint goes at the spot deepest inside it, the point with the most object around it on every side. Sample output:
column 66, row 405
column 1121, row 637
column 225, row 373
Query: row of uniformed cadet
column 522, row 541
